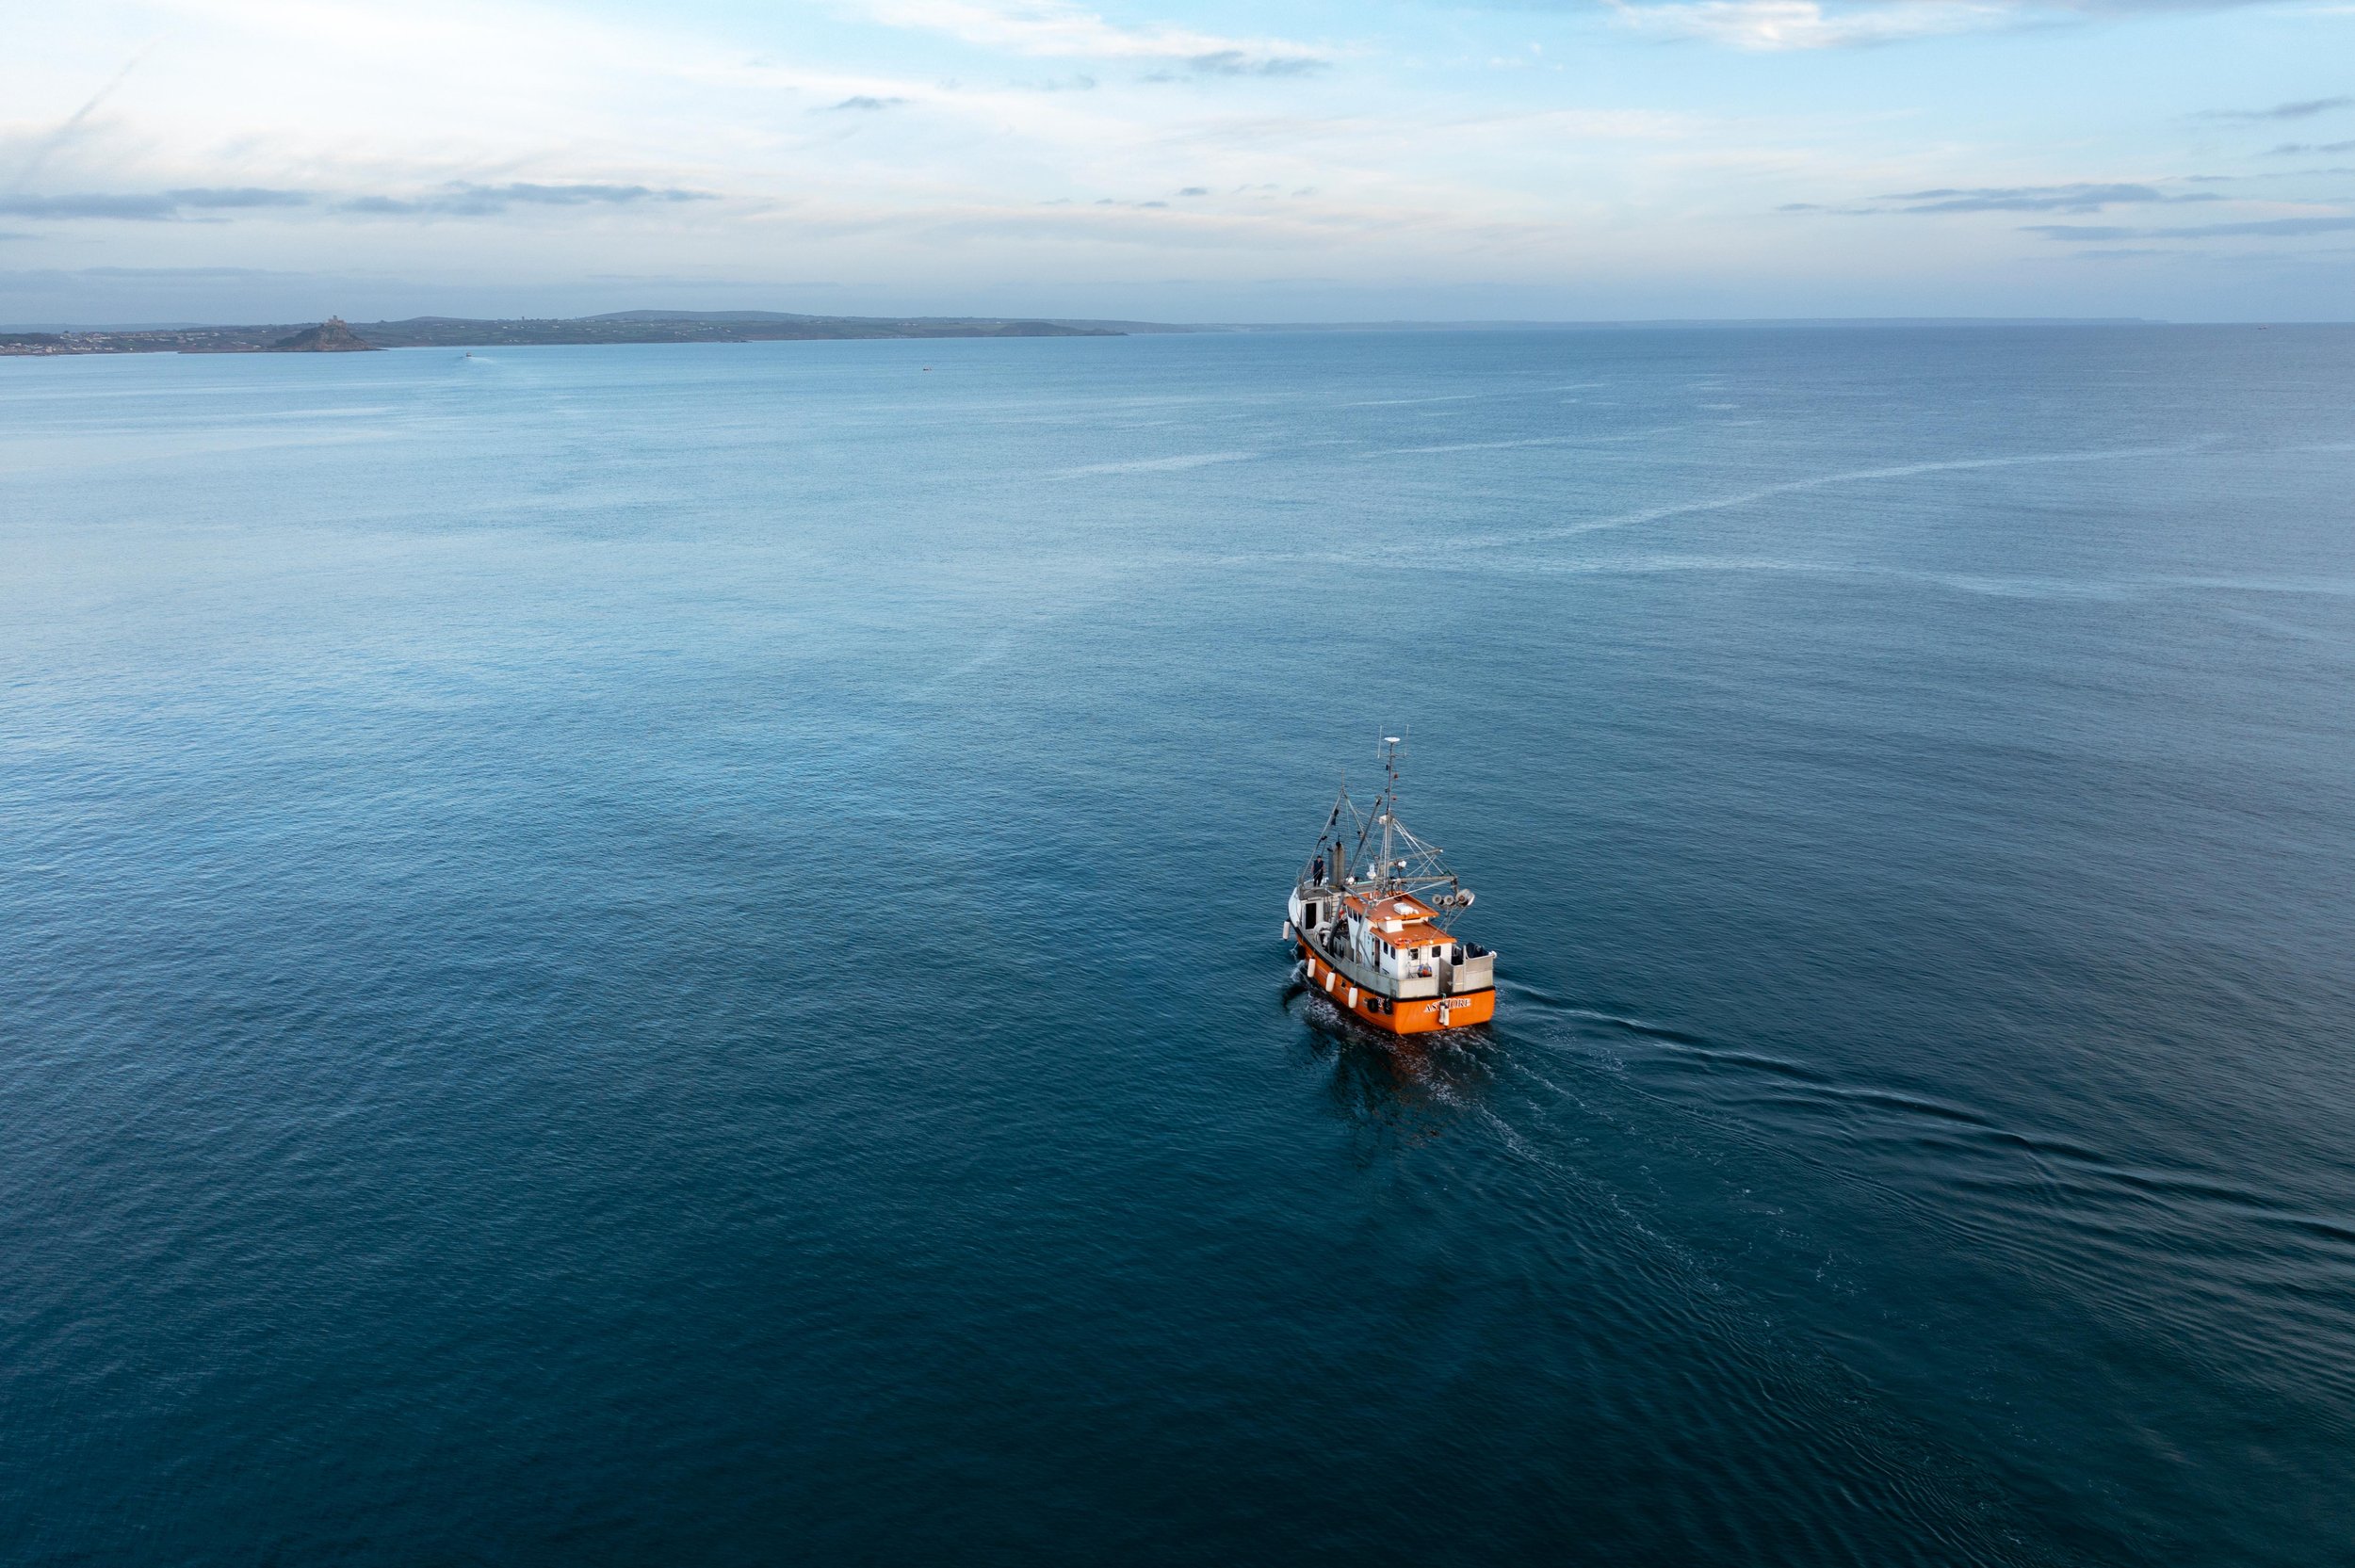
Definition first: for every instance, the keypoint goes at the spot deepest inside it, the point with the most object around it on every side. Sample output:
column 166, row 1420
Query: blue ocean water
column 669, row 954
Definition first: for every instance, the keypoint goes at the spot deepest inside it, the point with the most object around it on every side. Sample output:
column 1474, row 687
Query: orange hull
column 1424, row 1016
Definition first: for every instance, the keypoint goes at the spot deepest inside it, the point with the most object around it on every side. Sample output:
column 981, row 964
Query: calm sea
column 669, row 955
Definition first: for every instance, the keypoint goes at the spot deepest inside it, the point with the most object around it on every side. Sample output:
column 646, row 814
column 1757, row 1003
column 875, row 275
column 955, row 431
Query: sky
column 1179, row 160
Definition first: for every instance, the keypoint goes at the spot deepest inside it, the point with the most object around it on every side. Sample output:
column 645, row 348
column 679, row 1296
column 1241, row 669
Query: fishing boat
column 1368, row 915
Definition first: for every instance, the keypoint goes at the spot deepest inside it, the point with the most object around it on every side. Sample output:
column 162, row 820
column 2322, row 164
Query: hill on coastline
column 697, row 327
column 659, row 326
column 330, row 336
column 444, row 332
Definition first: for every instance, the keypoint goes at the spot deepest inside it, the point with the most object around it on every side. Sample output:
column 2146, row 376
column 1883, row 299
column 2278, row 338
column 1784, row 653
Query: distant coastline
column 443, row 332
column 654, row 326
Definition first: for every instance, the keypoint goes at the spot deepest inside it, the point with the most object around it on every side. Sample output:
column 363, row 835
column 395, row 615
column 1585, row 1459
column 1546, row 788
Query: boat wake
column 2157, row 1246
column 1566, row 1146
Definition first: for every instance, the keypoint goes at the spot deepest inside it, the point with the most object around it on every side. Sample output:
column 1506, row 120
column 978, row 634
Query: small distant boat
column 1368, row 915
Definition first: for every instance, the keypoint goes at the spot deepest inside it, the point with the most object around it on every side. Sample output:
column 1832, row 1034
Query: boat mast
column 1390, row 807
column 1395, row 860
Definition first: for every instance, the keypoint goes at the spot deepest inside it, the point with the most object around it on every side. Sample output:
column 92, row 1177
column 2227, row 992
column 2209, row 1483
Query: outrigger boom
column 1376, row 939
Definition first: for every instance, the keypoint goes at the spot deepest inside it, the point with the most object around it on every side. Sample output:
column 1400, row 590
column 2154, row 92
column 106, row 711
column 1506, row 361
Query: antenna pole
column 1390, row 805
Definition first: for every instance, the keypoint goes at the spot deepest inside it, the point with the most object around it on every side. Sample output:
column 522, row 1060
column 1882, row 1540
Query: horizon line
column 1362, row 324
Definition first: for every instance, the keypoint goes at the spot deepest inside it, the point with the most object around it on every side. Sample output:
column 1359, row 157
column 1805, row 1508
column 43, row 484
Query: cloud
column 2081, row 197
column 72, row 122
column 460, row 199
column 2276, row 228
column 144, row 272
column 2071, row 197
column 1775, row 25
column 2293, row 148
column 1236, row 62
column 2280, row 227
column 457, row 200
column 213, row 197
column 2305, row 108
column 864, row 102
column 1055, row 29
column 1778, row 26
column 152, row 208
column 92, row 204
column 2083, row 231
column 1195, row 191
column 573, row 196
column 49, row 277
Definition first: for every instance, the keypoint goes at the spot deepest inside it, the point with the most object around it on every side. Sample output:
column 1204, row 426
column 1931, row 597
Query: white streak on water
column 1153, row 465
column 1820, row 481
column 1475, row 445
